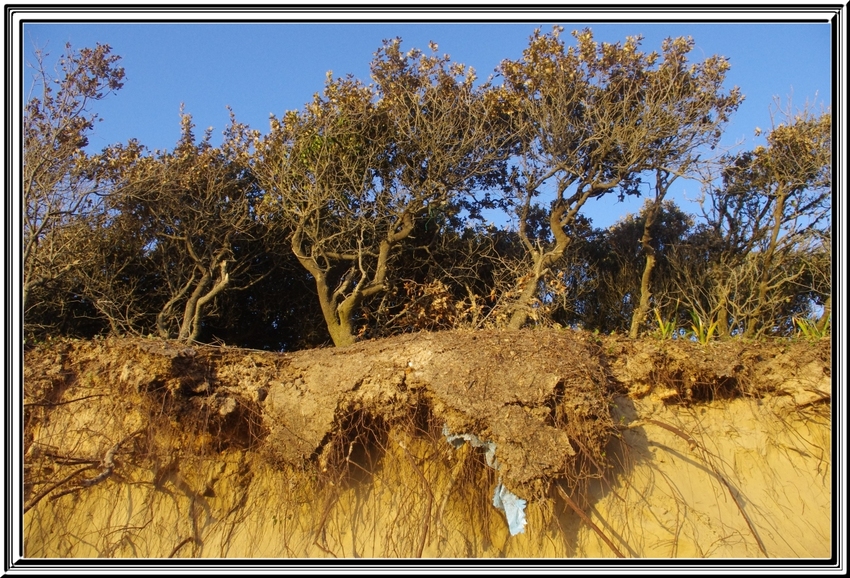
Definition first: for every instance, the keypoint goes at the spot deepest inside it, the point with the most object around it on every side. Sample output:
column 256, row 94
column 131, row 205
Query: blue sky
column 264, row 68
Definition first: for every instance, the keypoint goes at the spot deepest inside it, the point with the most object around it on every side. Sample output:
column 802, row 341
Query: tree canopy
column 363, row 213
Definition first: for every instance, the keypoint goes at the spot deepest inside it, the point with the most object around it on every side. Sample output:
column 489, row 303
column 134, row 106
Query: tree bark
column 162, row 316
column 337, row 309
column 200, row 305
column 723, row 313
column 191, row 306
column 337, row 315
column 559, row 217
column 640, row 313
column 520, row 313
column 827, row 312
column 761, row 298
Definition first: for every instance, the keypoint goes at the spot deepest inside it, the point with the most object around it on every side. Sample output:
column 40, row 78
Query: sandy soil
column 648, row 449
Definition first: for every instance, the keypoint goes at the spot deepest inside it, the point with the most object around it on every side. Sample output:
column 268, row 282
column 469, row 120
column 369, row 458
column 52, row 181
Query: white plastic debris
column 458, row 440
column 512, row 505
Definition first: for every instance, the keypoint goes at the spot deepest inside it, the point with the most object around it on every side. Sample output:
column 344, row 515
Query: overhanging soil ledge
column 148, row 448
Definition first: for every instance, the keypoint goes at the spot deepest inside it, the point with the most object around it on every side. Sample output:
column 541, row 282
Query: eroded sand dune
column 144, row 448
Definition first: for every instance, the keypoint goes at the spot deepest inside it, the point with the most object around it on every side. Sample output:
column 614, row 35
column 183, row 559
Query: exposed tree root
column 694, row 444
column 589, row 522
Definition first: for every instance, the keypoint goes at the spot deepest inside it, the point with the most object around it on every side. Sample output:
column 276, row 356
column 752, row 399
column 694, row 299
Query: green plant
column 666, row 329
column 809, row 328
column 702, row 331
